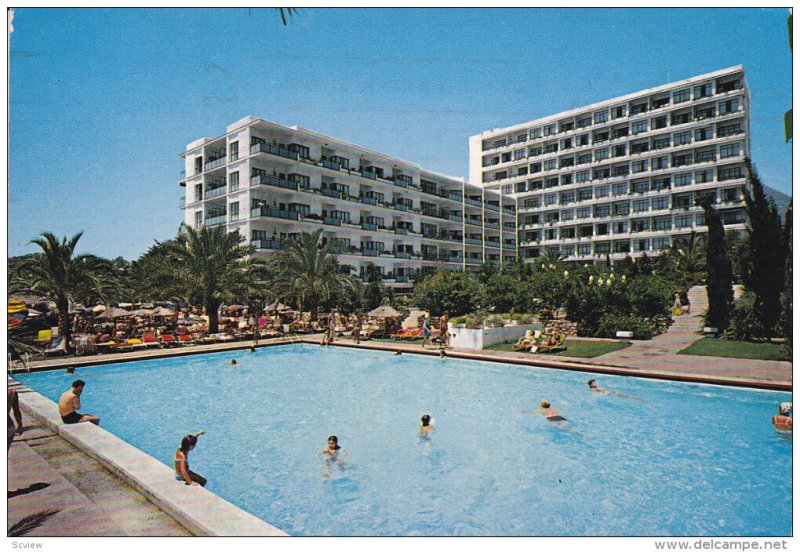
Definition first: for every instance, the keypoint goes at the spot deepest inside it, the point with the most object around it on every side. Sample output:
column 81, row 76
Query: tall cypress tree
column 764, row 273
column 718, row 268
column 786, row 296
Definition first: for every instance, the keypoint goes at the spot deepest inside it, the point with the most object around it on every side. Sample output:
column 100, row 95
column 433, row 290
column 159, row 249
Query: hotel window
column 642, row 245
column 682, row 138
column 619, row 111
column 506, row 157
column 601, row 154
column 601, row 174
column 500, row 175
column 733, row 217
column 566, row 179
column 549, row 130
column 536, row 133
column 662, row 223
column 620, row 189
column 584, row 212
column 602, row 248
column 583, row 176
column 683, row 221
column 702, row 177
column 567, row 197
column 622, row 247
column 550, row 148
column 566, row 126
column 550, row 199
column 706, row 155
column 639, row 108
column 585, row 122
column 641, row 186
column 568, row 214
column 519, row 186
column 198, row 192
column 533, row 152
column 660, row 203
column 731, row 195
column 499, row 143
column 568, row 250
column 641, row 205
column 659, row 162
column 729, row 173
column 601, row 230
column 729, row 150
column 622, row 170
column 660, row 143
column 536, row 167
column 508, row 188
column 639, row 166
column 638, row 127
column 620, row 227
column 233, row 181
column 584, row 249
column 519, row 154
column 680, row 118
column 680, row 96
column 582, row 140
column 522, row 137
column 729, row 130
column 533, row 202
column 585, row 158
column 703, row 134
column 681, row 160
column 683, row 179
column 660, row 243
column 601, row 117
column 621, row 209
column 534, row 185
column 584, row 194
column 659, row 122
column 661, row 183
column 702, row 91
column 522, row 171
column 728, row 106
column 601, row 211
column 700, row 219
column 551, row 182
column 234, row 151
column 620, row 151
column 233, row 211
column 198, row 219
column 566, row 143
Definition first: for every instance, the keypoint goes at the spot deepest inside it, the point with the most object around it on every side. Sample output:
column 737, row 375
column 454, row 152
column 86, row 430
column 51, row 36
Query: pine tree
column 764, row 275
column 718, row 268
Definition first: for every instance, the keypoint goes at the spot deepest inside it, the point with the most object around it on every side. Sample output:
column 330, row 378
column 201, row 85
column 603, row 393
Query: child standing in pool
column 333, row 453
column 426, row 426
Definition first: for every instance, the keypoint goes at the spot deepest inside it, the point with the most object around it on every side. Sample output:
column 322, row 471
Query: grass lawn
column 580, row 348
column 712, row 346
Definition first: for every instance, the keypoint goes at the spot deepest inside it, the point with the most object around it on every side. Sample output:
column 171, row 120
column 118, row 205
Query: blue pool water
column 683, row 460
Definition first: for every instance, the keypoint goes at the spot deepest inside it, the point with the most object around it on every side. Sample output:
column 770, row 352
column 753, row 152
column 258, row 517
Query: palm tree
column 210, row 266
column 63, row 277
column 307, row 273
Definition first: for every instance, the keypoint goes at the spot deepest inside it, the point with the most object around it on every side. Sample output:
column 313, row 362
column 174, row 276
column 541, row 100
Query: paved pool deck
column 85, row 482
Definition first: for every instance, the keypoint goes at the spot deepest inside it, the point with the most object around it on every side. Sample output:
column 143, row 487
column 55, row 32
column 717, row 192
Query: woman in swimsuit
column 332, row 454
column 782, row 421
column 182, row 471
column 551, row 415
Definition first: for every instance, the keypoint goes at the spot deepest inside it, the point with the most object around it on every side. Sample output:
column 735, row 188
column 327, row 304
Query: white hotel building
column 270, row 182
column 621, row 177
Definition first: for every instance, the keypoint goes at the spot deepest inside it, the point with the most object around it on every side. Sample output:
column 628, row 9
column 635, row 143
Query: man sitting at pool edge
column 70, row 402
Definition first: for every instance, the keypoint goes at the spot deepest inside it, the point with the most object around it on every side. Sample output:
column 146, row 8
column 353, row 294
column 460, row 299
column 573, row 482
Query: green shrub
column 745, row 323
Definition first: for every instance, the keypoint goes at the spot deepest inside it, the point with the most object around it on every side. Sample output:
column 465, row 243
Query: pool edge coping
column 196, row 509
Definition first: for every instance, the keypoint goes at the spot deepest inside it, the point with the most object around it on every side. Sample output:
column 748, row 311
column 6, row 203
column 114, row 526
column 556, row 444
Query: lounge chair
column 222, row 337
column 408, row 333
column 57, row 346
column 185, row 339
column 137, row 344
column 525, row 342
column 168, row 340
column 149, row 339
column 556, row 345
column 44, row 336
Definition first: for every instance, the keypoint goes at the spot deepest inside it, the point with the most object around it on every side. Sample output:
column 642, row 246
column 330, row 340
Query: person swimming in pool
column 594, row 389
column 332, row 454
column 782, row 421
column 551, row 414
column 426, row 426
column 181, row 462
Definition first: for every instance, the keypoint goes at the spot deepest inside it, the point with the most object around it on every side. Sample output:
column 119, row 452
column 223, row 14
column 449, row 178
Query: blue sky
column 102, row 102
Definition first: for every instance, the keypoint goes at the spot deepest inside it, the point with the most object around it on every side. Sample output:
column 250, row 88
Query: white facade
column 270, row 182
column 621, row 177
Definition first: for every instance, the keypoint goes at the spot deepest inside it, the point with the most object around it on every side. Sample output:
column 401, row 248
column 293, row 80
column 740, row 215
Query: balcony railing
column 401, row 231
column 215, row 192
column 219, row 162
column 400, row 182
column 265, row 243
column 275, row 213
column 473, row 222
column 331, row 193
column 270, row 180
column 473, row 241
column 369, row 200
column 455, row 218
column 475, row 202
column 219, row 219
column 370, row 252
column 332, row 221
column 263, row 147
column 401, row 207
column 402, row 255
column 369, row 174
column 492, row 244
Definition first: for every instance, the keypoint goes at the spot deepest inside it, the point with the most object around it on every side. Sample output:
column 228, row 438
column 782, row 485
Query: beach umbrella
column 124, row 305
column 384, row 311
column 276, row 306
column 98, row 308
column 112, row 313
column 163, row 311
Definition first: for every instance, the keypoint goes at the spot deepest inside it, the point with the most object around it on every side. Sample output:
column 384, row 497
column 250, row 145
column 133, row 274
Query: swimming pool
column 686, row 459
